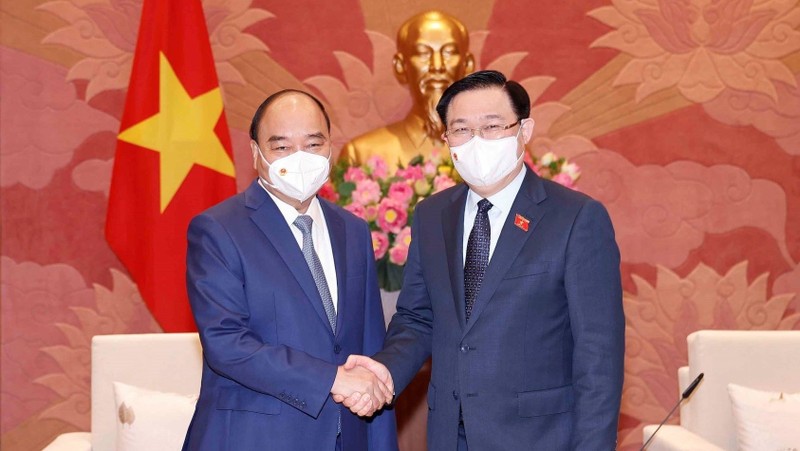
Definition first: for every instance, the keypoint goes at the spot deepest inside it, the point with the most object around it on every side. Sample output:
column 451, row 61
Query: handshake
column 363, row 385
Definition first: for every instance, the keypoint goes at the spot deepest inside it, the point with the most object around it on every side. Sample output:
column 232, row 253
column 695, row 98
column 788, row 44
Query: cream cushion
column 149, row 420
column 765, row 420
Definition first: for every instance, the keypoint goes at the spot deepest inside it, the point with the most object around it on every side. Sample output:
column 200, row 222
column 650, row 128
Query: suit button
column 455, row 395
column 464, row 348
column 337, row 349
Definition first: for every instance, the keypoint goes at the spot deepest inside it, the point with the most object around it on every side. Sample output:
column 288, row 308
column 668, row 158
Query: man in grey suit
column 513, row 287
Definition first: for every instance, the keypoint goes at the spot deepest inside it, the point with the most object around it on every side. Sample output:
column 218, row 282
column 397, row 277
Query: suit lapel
column 269, row 219
column 512, row 240
column 337, row 235
column 453, row 231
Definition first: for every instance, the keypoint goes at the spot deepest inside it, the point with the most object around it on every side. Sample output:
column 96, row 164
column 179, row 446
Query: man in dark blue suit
column 283, row 289
column 513, row 287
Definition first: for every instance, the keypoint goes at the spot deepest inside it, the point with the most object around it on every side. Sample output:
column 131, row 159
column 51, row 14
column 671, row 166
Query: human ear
column 527, row 129
column 254, row 149
column 398, row 62
column 469, row 63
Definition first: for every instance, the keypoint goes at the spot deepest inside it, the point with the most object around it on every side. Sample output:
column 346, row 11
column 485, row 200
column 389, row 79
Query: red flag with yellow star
column 173, row 157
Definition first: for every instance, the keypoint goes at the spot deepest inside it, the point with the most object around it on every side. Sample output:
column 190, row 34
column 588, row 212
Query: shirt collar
column 290, row 213
column 501, row 200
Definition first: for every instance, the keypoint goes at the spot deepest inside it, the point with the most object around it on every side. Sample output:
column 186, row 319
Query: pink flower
column 547, row 159
column 422, row 187
column 404, row 237
column 398, row 254
column 442, row 182
column 401, row 192
column 392, row 215
column 370, row 212
column 357, row 209
column 380, row 244
column 354, row 174
column 328, row 191
column 571, row 169
column 377, row 167
column 412, row 173
column 367, row 192
column 429, row 168
column 564, row 179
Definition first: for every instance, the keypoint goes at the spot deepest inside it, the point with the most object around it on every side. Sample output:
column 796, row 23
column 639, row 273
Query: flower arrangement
column 552, row 167
column 387, row 201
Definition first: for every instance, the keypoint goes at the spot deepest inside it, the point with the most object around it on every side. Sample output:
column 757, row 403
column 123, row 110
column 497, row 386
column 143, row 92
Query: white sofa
column 163, row 362
column 763, row 360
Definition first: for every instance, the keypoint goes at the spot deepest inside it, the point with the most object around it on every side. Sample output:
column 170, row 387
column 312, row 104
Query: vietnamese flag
column 173, row 157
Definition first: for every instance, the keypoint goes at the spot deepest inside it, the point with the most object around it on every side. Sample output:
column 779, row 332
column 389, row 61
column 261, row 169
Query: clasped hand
column 363, row 385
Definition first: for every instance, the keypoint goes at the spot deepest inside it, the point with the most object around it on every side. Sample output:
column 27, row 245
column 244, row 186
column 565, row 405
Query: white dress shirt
column 501, row 207
column 319, row 235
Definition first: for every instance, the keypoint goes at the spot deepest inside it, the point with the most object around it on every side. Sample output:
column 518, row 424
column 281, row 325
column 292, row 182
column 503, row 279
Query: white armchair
column 764, row 360
column 162, row 362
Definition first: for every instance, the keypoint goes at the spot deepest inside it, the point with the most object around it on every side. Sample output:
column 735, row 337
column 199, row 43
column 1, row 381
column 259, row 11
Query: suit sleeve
column 594, row 296
column 409, row 338
column 216, row 292
column 381, row 428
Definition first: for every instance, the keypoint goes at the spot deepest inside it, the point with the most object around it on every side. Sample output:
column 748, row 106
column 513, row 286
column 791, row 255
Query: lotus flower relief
column 661, row 315
column 105, row 32
column 702, row 46
column 116, row 310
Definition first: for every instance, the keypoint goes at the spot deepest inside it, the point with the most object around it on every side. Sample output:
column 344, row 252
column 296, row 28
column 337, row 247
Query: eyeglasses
column 460, row 135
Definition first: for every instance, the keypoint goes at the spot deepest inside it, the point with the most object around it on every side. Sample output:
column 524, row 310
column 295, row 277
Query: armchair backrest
column 763, row 360
column 163, row 362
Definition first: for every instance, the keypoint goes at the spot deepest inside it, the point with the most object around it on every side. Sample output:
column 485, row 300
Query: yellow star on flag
column 182, row 132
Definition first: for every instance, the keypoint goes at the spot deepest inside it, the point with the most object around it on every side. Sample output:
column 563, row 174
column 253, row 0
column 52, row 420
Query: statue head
column 432, row 53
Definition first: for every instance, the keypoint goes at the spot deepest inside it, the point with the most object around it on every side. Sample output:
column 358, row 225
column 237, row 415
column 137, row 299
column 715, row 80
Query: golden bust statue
column 432, row 53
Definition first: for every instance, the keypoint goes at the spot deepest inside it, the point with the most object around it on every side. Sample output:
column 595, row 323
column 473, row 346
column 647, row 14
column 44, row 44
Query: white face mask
column 299, row 175
column 484, row 162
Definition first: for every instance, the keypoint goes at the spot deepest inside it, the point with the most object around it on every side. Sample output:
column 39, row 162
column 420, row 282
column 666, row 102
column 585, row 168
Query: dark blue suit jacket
column 269, row 354
column 539, row 365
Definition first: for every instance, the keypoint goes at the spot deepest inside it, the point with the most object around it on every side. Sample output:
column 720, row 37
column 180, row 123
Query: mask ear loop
column 264, row 159
column 524, row 148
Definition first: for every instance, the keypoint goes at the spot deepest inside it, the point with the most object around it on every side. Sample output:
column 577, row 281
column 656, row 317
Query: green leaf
column 346, row 189
column 394, row 277
column 416, row 161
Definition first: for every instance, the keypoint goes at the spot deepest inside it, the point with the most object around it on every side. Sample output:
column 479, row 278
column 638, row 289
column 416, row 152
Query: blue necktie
column 477, row 255
column 304, row 222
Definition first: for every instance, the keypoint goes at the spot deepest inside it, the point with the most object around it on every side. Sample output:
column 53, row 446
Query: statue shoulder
column 377, row 137
column 380, row 141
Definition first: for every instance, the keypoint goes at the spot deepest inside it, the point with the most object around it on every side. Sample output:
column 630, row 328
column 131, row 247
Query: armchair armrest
column 71, row 441
column 676, row 438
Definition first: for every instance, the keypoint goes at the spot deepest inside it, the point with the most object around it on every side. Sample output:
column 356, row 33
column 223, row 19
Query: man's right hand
column 357, row 402
column 366, row 391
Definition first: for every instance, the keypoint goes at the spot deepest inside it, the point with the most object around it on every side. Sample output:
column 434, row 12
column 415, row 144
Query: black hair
column 485, row 79
column 269, row 100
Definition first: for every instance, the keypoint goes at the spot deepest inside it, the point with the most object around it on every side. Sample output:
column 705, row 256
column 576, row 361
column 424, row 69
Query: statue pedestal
column 389, row 301
column 411, row 408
